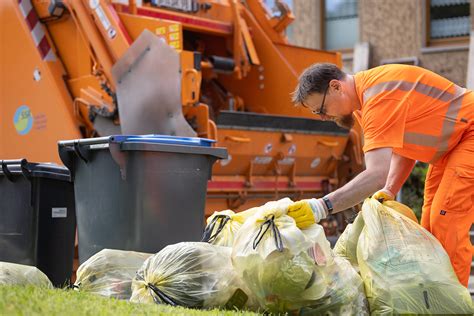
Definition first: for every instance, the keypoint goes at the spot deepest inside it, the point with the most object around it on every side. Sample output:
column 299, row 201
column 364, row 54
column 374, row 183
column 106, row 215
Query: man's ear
column 335, row 85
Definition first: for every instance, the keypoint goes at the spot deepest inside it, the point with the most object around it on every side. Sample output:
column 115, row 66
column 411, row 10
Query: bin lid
column 42, row 170
column 163, row 139
column 152, row 142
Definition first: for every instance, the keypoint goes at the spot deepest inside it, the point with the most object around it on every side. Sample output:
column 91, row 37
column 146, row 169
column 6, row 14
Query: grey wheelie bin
column 37, row 217
column 139, row 193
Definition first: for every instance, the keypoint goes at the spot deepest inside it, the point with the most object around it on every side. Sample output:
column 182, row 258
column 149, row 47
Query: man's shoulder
column 391, row 72
column 395, row 69
column 397, row 73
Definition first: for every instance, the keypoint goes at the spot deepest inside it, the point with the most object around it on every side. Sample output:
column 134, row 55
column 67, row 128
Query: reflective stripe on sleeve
column 420, row 139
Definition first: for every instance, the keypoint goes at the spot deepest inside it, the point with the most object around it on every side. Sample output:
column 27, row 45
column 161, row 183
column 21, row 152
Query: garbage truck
column 217, row 69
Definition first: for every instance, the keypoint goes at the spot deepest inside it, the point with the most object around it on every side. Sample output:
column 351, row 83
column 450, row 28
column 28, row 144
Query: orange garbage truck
column 218, row 69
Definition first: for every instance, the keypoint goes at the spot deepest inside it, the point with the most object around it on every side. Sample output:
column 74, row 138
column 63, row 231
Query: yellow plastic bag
column 404, row 268
column 346, row 245
column 222, row 226
column 345, row 295
column 110, row 273
column 288, row 269
column 18, row 274
column 190, row 274
column 402, row 209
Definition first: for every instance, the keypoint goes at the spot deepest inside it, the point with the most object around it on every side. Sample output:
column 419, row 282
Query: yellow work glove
column 307, row 212
column 383, row 195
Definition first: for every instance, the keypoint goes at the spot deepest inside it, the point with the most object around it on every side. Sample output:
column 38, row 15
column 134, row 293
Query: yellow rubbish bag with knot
column 110, row 273
column 346, row 245
column 404, row 268
column 190, row 274
column 222, row 226
column 18, row 274
column 293, row 270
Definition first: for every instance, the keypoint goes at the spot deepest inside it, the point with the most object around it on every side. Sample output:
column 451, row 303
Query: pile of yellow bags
column 260, row 260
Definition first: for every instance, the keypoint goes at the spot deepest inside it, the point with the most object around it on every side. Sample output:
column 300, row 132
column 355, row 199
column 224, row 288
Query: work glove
column 307, row 212
column 384, row 195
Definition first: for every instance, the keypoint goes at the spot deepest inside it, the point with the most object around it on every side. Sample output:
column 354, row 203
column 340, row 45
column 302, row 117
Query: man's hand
column 384, row 195
column 307, row 212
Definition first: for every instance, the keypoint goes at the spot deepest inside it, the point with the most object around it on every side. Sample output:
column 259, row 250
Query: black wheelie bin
column 37, row 217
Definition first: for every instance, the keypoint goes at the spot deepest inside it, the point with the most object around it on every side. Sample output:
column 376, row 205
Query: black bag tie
column 269, row 223
column 207, row 235
column 154, row 290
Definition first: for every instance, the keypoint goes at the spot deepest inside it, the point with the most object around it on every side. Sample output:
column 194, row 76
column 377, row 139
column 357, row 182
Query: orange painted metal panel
column 36, row 108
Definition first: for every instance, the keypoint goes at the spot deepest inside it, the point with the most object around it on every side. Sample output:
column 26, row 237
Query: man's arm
column 400, row 169
column 372, row 179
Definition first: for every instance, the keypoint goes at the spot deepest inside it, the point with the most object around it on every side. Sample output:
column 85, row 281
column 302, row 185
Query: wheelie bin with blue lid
column 139, row 193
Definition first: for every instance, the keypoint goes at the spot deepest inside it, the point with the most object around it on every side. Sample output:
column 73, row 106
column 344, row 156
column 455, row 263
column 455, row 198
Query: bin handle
column 79, row 152
column 65, row 153
column 119, row 157
column 23, row 165
column 7, row 172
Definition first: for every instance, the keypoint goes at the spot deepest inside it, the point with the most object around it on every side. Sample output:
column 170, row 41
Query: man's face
column 332, row 105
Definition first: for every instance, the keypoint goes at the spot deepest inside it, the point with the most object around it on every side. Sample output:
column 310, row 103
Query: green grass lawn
column 19, row 300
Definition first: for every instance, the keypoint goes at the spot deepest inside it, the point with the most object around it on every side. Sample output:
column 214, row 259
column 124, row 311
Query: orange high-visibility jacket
column 418, row 113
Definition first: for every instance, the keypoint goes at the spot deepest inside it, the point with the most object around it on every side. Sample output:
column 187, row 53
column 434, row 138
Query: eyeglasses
column 321, row 108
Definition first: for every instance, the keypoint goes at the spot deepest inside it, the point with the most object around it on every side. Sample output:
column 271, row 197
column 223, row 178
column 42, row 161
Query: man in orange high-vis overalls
column 407, row 114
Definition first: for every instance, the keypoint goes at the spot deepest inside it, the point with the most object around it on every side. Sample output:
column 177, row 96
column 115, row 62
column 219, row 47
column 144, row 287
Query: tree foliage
column 412, row 192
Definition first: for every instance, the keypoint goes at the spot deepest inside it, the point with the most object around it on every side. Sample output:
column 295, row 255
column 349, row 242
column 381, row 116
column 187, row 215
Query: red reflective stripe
column 33, row 23
column 32, row 19
column 185, row 20
column 270, row 185
column 262, row 185
column 309, row 183
column 44, row 47
column 120, row 24
column 225, row 184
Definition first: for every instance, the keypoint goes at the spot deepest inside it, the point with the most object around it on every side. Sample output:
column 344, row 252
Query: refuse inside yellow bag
column 110, row 273
column 345, row 295
column 190, row 274
column 18, row 274
column 346, row 245
column 404, row 268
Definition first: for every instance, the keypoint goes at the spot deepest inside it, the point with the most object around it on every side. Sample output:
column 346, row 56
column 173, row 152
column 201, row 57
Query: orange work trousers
column 448, row 209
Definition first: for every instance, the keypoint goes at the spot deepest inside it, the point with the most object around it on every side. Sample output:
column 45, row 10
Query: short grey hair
column 315, row 79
